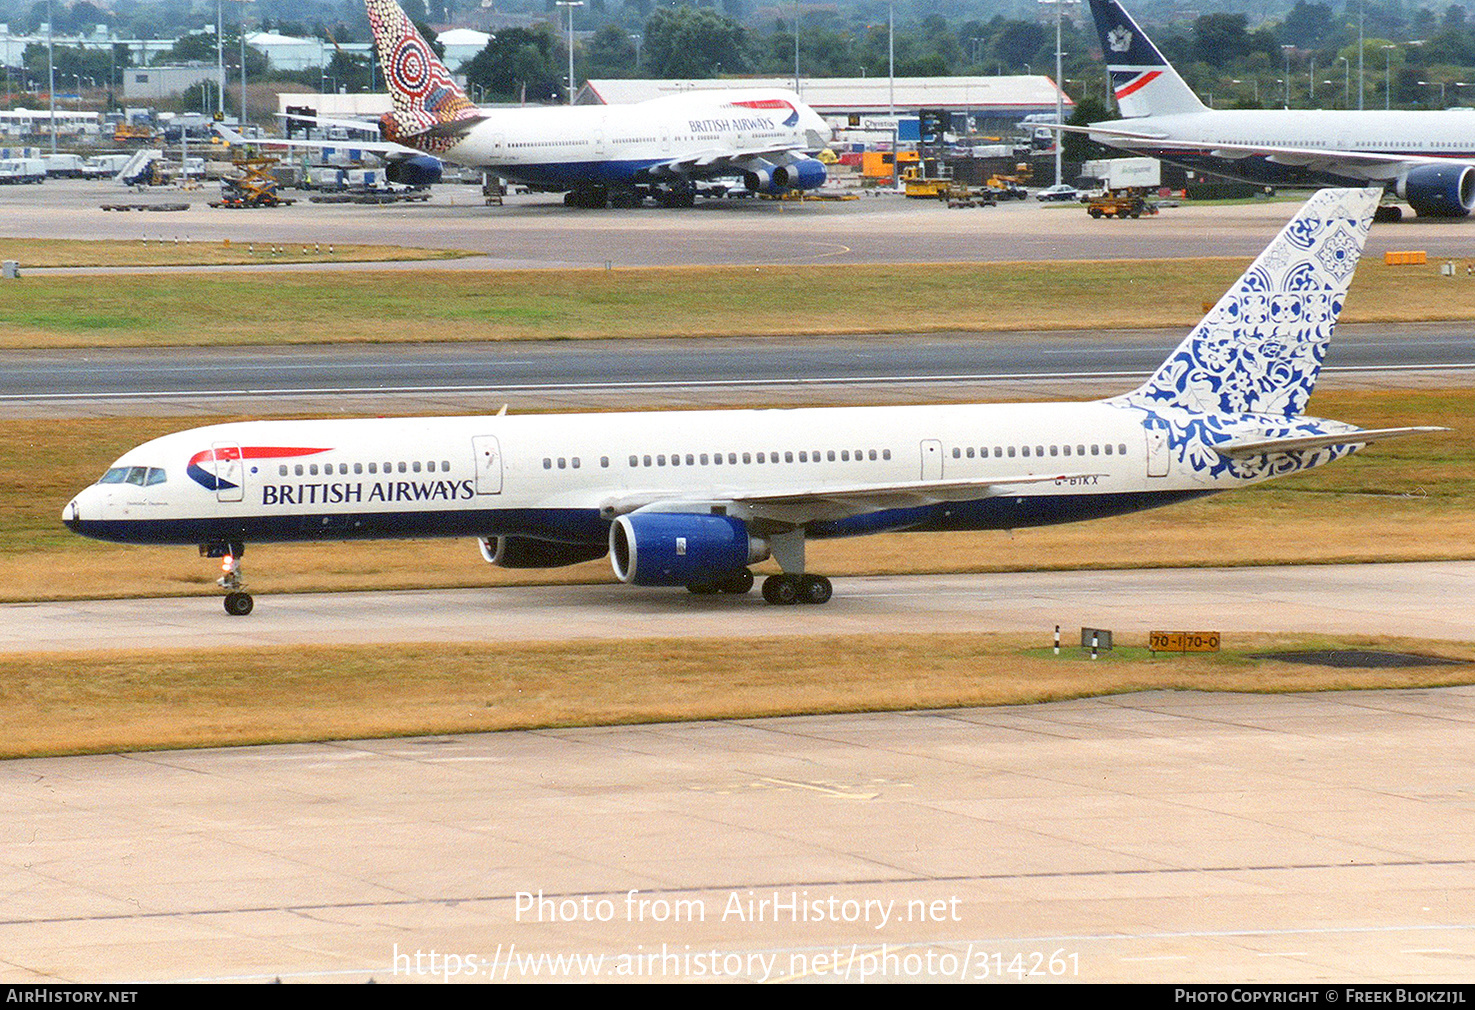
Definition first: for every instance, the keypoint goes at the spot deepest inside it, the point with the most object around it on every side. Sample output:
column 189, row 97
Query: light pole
column 570, row 4
column 637, row 40
column 1059, row 73
column 1430, row 84
column 1388, row 77
column 220, row 58
column 1287, row 51
column 1346, row 82
column 796, row 47
column 891, row 66
column 50, row 77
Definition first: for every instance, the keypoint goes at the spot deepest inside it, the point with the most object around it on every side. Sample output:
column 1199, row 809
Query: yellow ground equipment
column 254, row 188
column 1120, row 203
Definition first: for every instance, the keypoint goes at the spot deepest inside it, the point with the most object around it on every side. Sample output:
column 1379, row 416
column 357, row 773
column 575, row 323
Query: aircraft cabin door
column 229, row 471
column 488, row 454
column 1157, row 446
column 931, row 459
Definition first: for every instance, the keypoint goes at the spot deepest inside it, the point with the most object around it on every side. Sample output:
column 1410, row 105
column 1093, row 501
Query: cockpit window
column 143, row 476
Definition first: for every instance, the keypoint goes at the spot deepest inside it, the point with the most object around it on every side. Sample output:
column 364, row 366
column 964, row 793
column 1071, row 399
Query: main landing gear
column 238, row 602
column 786, row 589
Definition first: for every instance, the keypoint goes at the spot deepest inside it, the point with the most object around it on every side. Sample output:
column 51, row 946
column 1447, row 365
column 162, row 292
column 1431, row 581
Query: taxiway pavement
column 1161, row 837
column 1430, row 600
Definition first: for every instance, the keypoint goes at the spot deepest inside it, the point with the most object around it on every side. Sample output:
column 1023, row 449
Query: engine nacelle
column 418, row 170
column 1440, row 190
column 802, row 173
column 680, row 548
column 525, row 552
column 759, row 177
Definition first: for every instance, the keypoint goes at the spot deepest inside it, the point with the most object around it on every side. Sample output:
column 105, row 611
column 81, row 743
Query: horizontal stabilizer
column 1260, row 447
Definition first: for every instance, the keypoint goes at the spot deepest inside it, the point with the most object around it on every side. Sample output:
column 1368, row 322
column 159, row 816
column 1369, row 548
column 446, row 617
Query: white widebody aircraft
column 596, row 154
column 1427, row 158
column 693, row 498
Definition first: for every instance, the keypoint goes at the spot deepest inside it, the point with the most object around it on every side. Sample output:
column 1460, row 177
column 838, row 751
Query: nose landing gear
column 238, row 602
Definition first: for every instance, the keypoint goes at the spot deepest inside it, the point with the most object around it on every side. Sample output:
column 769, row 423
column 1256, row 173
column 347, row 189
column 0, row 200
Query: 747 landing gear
column 238, row 602
column 786, row 589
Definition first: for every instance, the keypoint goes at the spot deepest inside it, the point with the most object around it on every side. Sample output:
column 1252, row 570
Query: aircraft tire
column 781, row 590
column 738, row 583
column 815, row 589
column 238, row 604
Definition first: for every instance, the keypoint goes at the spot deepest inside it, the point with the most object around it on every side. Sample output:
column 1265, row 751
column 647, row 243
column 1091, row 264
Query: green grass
column 247, row 307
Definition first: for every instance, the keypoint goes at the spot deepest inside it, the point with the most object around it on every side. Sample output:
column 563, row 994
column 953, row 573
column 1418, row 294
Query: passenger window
column 885, row 453
column 604, row 461
column 358, row 468
column 282, row 470
column 547, row 462
column 313, row 470
column 401, row 468
column 575, row 462
column 788, row 457
column 803, row 456
column 1011, row 452
column 1024, row 450
column 415, row 466
column 373, row 467
column 635, row 461
column 1067, row 451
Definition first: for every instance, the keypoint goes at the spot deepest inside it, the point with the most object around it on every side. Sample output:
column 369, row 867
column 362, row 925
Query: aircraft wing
column 1240, row 448
column 798, row 506
column 722, row 161
column 1359, row 164
column 386, row 148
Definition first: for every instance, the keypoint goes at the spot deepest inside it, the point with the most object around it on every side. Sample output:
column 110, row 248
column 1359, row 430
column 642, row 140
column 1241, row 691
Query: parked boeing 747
column 694, row 498
column 595, row 154
column 1426, row 158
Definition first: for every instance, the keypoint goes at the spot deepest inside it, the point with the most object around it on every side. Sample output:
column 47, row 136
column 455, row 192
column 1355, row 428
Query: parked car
column 1058, row 192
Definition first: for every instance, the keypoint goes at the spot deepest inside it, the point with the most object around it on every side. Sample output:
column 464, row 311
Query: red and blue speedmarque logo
column 210, row 467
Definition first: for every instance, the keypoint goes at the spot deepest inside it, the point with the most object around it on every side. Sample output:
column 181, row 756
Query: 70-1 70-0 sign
column 1183, row 641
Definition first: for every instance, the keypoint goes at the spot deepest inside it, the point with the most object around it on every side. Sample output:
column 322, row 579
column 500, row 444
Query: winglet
column 1142, row 80
column 430, row 110
column 1259, row 350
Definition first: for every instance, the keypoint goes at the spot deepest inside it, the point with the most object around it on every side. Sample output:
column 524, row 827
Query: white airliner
column 1427, row 158
column 597, row 154
column 693, row 498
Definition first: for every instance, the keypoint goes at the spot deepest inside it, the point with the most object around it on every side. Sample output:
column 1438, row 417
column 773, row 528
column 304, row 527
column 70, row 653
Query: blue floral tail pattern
column 1259, row 350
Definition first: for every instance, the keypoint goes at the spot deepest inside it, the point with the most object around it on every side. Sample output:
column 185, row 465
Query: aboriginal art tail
column 1141, row 79
column 1259, row 350
column 430, row 111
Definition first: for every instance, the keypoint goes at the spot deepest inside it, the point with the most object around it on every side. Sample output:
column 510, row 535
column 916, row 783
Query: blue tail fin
column 1259, row 350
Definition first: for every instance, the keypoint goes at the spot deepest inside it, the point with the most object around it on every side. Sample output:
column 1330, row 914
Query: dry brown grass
column 116, row 701
column 160, row 252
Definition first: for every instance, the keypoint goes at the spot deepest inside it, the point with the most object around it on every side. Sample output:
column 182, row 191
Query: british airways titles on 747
column 694, row 498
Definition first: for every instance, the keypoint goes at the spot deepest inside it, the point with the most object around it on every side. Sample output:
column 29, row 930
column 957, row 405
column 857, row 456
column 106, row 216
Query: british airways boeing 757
column 597, row 154
column 694, row 498
column 1427, row 158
